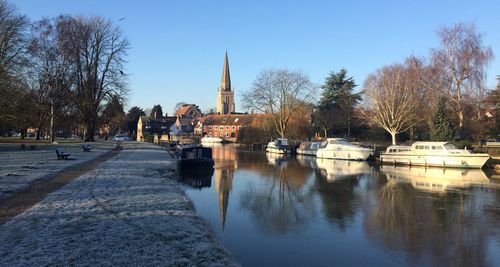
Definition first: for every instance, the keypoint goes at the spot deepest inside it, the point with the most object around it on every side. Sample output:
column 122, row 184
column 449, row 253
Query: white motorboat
column 437, row 154
column 339, row 148
column 435, row 179
column 279, row 146
column 308, row 148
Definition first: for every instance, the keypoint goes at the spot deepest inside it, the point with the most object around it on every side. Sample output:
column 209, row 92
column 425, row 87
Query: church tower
column 225, row 95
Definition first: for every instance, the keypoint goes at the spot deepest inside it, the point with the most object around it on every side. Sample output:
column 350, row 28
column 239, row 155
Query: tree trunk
column 393, row 135
column 51, row 126
column 324, row 130
column 461, row 119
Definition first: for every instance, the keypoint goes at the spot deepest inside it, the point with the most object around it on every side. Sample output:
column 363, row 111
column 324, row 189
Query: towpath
column 128, row 211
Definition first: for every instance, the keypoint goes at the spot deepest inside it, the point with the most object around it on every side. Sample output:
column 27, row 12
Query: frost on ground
column 19, row 168
column 128, row 211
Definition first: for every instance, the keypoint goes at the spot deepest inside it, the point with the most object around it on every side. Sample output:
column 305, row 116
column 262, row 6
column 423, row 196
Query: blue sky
column 178, row 46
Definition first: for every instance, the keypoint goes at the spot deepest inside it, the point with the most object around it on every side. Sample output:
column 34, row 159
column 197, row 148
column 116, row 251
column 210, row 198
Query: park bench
column 61, row 154
column 86, row 147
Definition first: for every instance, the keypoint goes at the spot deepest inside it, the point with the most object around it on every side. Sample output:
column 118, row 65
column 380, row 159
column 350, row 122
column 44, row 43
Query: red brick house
column 227, row 126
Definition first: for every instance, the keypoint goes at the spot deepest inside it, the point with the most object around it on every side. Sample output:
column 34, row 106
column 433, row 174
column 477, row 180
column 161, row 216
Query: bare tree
column 12, row 57
column 462, row 58
column 392, row 98
column 279, row 93
column 97, row 49
column 49, row 72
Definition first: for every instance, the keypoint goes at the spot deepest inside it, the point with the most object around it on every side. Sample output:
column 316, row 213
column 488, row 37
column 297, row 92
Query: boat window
column 323, row 144
column 332, row 142
column 392, row 150
column 427, row 147
column 437, row 147
column 418, row 147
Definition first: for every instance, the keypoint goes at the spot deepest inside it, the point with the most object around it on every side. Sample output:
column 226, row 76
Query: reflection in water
column 284, row 204
column 279, row 161
column 321, row 211
column 196, row 178
column 333, row 169
column 307, row 161
column 433, row 229
column 435, row 179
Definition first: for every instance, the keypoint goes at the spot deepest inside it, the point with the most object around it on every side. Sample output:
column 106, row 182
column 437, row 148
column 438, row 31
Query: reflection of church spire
column 223, row 185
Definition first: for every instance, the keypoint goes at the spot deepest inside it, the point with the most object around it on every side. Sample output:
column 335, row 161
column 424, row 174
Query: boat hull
column 279, row 150
column 344, row 154
column 456, row 161
column 308, row 152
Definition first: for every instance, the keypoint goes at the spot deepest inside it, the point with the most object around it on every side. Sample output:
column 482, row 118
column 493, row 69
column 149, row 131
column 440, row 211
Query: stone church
column 225, row 94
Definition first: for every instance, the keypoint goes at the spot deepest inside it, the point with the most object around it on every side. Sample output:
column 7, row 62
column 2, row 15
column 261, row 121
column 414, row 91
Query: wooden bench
column 86, row 147
column 61, row 154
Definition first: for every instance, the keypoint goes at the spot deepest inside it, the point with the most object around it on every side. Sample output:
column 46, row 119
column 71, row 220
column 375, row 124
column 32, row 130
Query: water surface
column 301, row 211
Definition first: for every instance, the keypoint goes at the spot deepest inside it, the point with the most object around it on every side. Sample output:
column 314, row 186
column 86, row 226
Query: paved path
column 128, row 211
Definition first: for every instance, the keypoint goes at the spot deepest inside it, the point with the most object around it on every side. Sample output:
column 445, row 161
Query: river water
column 268, row 210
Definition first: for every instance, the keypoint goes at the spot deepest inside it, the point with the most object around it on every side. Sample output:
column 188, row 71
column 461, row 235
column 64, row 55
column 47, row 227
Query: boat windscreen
column 450, row 146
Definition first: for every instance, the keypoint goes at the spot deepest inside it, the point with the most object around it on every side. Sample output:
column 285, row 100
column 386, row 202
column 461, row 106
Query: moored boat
column 437, row 154
column 279, row 146
column 308, row 148
column 194, row 156
column 339, row 148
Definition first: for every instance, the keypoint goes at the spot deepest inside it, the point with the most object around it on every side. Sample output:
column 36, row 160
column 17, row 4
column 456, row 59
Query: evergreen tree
column 337, row 103
column 156, row 112
column 132, row 117
column 441, row 124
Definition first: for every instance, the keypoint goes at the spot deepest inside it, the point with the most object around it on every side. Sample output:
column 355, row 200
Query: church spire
column 225, row 84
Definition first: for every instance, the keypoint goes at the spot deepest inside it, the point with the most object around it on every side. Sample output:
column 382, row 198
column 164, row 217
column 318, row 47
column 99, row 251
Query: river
column 270, row 210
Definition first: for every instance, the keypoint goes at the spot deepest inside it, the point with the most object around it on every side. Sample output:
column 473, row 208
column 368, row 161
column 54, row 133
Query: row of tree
column 441, row 99
column 68, row 67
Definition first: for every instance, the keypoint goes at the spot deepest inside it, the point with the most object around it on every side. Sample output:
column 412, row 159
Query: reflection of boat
column 209, row 139
column 307, row 161
column 439, row 154
column 279, row 146
column 434, row 178
column 196, row 178
column 277, row 160
column 308, row 148
column 339, row 148
column 337, row 169
column 194, row 156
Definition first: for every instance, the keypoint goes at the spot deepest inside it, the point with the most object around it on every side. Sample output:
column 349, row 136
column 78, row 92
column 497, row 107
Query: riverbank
column 129, row 210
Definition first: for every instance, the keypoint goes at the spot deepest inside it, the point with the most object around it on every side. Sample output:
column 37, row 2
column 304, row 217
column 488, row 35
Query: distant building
column 225, row 94
column 188, row 111
column 151, row 126
column 227, row 126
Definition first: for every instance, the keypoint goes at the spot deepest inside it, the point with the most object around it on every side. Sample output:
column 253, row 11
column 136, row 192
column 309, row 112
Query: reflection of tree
column 285, row 205
column 437, row 229
column 338, row 199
